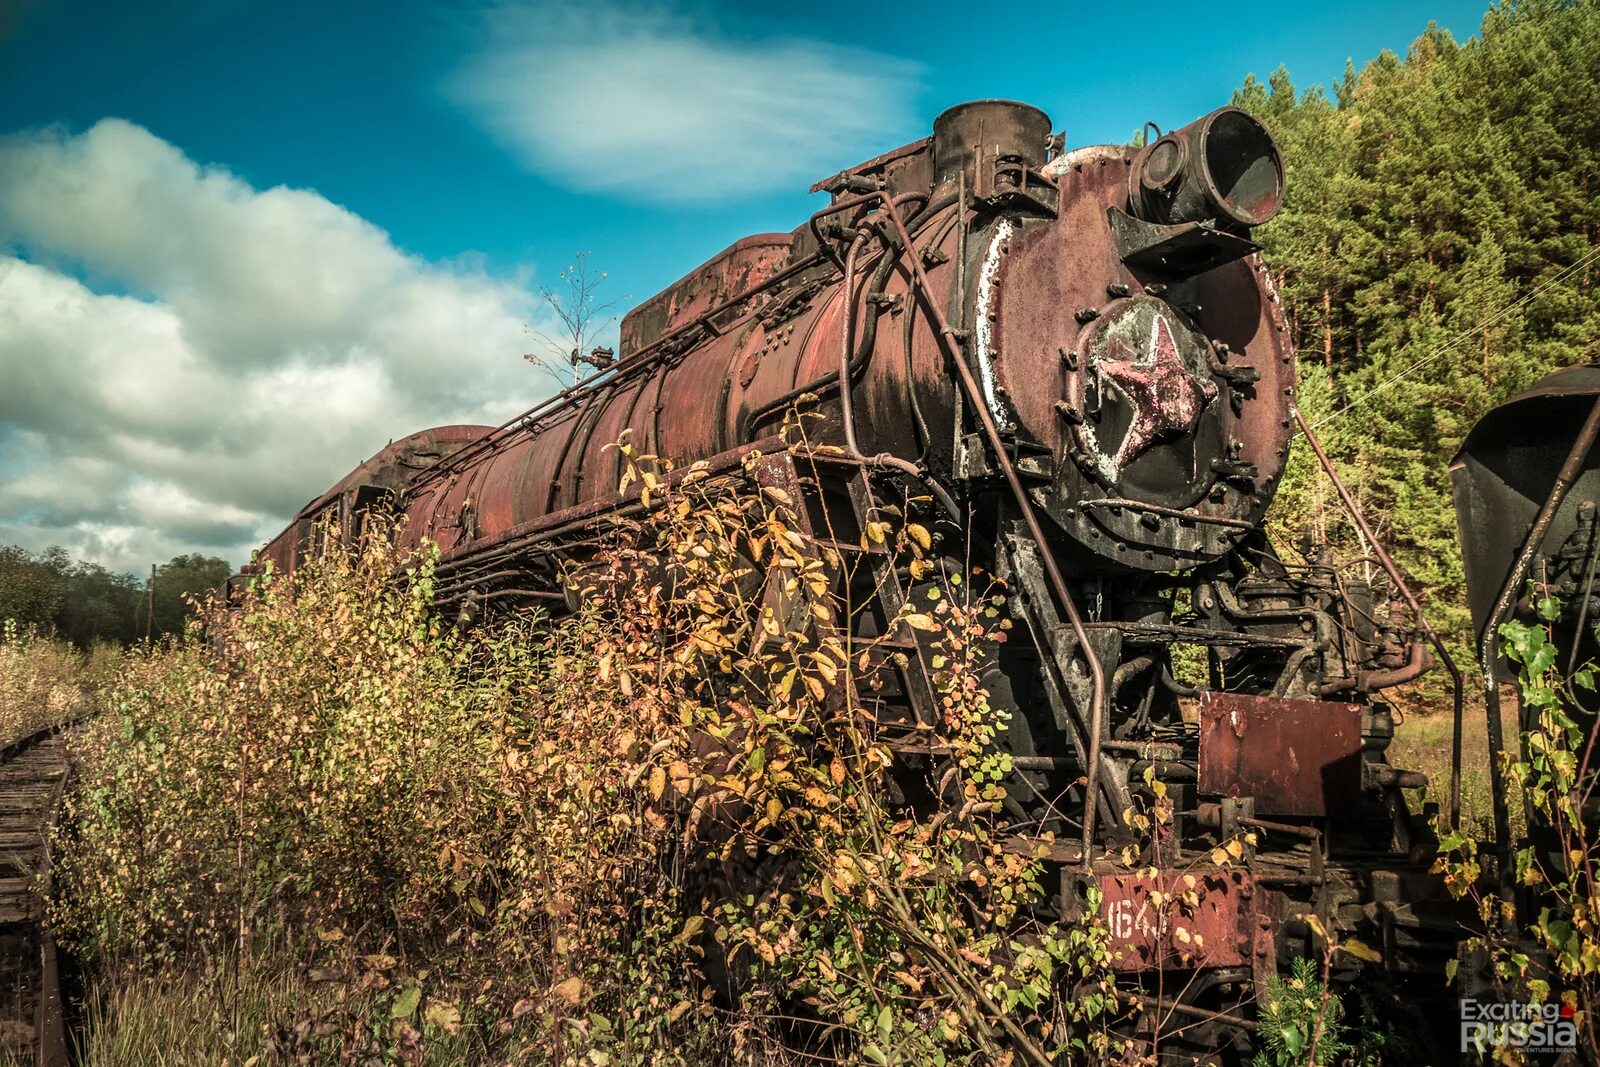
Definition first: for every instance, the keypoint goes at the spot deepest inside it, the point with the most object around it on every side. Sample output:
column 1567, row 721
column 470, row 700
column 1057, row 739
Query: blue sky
column 351, row 99
column 289, row 180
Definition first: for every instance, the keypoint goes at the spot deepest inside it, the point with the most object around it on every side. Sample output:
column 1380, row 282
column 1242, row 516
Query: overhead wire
column 1452, row 343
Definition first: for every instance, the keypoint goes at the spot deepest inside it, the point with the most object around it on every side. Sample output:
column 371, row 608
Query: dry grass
column 224, row 1015
column 259, row 1012
column 42, row 680
column 1422, row 742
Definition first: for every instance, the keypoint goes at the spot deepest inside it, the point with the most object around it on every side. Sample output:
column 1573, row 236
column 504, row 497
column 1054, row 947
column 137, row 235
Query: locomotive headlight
column 1222, row 168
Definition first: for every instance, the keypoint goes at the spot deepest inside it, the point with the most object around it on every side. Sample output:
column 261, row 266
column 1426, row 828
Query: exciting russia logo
column 1532, row 1029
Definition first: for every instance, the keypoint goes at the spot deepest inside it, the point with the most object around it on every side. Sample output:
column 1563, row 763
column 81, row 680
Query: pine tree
column 1431, row 256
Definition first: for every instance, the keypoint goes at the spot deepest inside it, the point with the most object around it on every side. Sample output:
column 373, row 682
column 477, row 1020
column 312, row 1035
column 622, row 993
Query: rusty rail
column 33, row 773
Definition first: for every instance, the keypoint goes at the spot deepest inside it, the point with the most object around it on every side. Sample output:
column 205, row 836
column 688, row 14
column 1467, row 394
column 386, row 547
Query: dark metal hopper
column 1504, row 472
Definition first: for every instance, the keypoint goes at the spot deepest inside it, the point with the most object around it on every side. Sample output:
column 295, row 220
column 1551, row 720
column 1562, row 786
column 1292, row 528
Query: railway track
column 33, row 773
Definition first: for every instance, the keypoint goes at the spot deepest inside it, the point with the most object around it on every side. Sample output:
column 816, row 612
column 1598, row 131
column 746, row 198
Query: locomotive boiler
column 1078, row 359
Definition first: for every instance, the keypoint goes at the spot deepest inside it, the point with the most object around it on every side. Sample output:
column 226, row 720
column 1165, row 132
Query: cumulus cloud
column 659, row 106
column 186, row 359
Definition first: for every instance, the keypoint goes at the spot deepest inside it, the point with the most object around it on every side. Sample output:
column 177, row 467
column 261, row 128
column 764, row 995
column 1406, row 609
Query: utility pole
column 150, row 609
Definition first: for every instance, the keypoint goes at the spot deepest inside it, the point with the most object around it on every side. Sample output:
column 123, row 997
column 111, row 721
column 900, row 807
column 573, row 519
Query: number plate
column 1153, row 923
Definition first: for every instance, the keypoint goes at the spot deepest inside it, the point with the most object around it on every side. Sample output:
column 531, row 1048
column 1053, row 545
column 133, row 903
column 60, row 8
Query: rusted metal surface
column 1488, row 643
column 1063, row 595
column 1078, row 369
column 1165, row 386
column 711, row 362
column 1222, row 167
column 1206, row 918
column 1511, row 453
column 1211, row 453
column 972, row 139
column 787, row 339
column 1419, row 617
column 1504, row 473
column 1295, row 757
column 747, row 263
column 898, row 170
column 386, row 474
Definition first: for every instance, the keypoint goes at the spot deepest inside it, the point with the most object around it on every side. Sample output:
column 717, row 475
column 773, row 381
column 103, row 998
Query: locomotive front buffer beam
column 1270, row 774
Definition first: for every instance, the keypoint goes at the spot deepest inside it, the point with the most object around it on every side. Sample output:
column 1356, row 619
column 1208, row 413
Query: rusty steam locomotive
column 1077, row 357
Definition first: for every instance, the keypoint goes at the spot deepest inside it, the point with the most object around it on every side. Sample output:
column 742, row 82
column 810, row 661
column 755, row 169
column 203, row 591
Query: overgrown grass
column 1422, row 742
column 333, row 786
column 338, row 829
column 265, row 1006
column 43, row 679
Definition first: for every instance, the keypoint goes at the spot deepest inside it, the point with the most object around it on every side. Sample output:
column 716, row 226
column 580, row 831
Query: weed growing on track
column 43, row 679
column 364, row 835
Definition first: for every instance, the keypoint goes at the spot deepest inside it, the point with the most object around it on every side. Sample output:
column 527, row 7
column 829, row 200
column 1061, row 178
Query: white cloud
column 645, row 102
column 273, row 341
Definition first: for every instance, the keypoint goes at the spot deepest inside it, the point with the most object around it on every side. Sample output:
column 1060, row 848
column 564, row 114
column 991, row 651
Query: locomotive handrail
column 952, row 345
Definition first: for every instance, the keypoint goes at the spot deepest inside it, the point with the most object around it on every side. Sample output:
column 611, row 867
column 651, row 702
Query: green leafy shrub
column 553, row 841
column 1550, row 947
column 1300, row 1022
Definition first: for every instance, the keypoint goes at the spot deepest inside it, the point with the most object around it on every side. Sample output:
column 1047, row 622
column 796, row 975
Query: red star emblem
column 1166, row 397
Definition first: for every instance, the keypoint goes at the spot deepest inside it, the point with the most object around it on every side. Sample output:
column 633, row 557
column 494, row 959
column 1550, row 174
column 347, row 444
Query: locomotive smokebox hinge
column 1237, row 472
column 1181, row 250
column 1034, row 462
column 1236, row 376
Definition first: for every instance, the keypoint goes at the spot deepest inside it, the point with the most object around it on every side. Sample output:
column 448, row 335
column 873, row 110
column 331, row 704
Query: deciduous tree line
column 88, row 604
